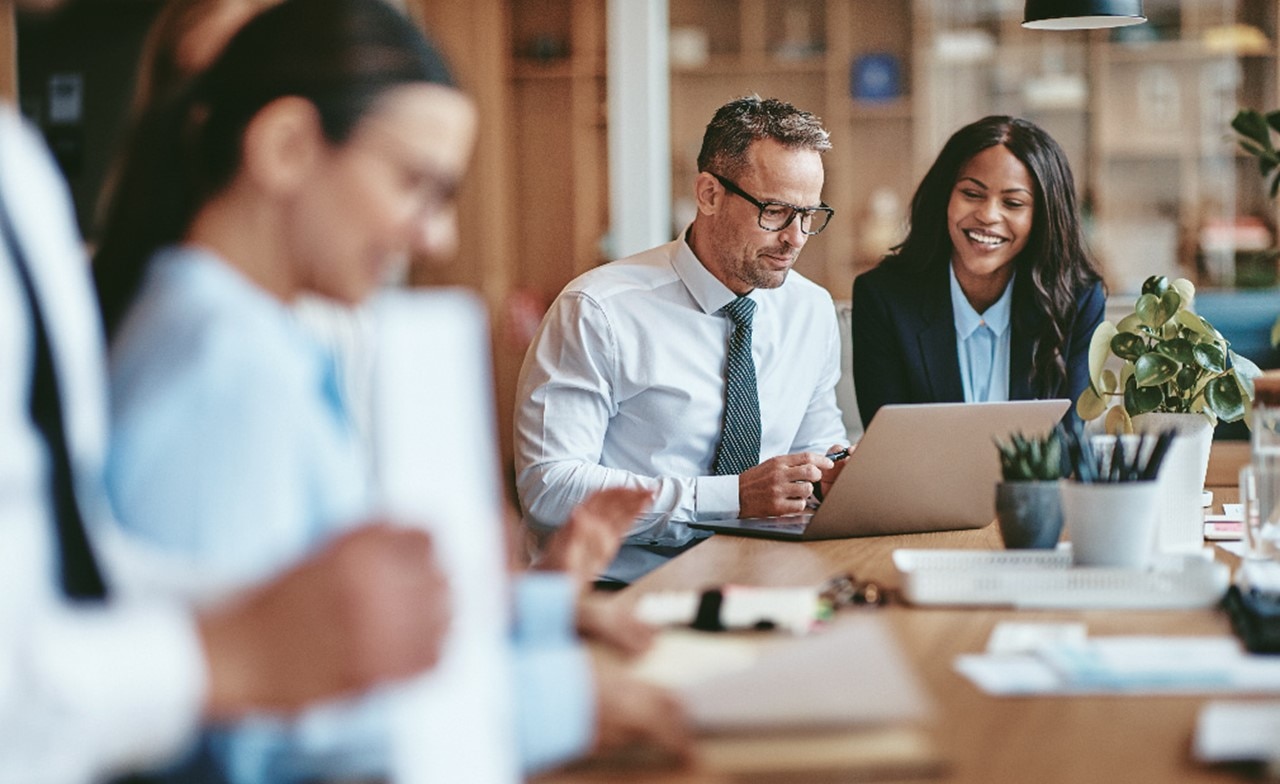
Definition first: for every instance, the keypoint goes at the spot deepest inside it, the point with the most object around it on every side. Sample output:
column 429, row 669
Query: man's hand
column 588, row 541
column 605, row 620
column 829, row 476
column 780, row 485
column 630, row 711
column 371, row 607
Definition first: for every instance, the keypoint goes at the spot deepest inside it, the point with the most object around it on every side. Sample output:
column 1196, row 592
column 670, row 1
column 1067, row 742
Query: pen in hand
column 839, row 454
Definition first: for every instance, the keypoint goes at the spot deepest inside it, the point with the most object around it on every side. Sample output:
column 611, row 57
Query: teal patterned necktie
column 740, row 431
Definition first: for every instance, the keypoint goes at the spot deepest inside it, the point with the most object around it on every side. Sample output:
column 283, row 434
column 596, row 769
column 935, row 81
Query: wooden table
column 981, row 738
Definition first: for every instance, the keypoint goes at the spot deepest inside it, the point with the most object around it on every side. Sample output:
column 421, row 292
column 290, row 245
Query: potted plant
column 1255, row 129
column 1176, row 371
column 1028, row 508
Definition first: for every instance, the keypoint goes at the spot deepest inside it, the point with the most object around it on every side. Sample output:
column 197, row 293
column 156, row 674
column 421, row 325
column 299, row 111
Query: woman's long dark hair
column 341, row 55
column 1055, row 261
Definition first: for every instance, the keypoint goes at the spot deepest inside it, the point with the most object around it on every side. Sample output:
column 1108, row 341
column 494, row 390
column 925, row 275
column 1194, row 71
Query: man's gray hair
column 749, row 119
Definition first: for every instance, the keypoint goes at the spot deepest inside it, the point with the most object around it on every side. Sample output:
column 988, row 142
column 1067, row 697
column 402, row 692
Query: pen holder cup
column 1029, row 514
column 1111, row 523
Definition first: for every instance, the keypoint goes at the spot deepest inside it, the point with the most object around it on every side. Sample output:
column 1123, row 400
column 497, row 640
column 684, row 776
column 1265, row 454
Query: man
column 679, row 368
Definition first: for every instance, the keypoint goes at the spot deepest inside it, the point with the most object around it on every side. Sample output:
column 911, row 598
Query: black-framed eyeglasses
column 777, row 215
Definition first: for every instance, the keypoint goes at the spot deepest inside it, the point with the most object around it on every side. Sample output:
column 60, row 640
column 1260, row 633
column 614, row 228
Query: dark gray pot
column 1030, row 514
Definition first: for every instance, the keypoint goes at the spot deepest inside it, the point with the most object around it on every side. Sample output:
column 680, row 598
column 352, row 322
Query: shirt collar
column 221, row 284
column 967, row 319
column 705, row 288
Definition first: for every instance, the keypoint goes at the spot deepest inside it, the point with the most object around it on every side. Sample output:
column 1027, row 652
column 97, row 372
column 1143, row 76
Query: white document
column 436, row 451
column 1238, row 732
column 850, row 675
column 1125, row 665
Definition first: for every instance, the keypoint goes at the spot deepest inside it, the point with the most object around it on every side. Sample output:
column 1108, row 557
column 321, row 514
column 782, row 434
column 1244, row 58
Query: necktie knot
column 740, row 311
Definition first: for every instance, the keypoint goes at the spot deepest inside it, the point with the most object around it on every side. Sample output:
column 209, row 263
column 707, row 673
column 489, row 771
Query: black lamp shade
column 1081, row 14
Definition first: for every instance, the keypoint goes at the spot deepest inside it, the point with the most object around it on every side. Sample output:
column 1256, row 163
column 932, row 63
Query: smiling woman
column 992, row 296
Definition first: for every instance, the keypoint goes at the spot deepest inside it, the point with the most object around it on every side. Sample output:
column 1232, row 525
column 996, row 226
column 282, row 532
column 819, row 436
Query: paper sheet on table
column 1237, row 731
column 1125, row 665
column 852, row 674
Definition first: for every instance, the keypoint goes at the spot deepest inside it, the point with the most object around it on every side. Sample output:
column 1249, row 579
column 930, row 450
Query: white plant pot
column 1180, row 526
column 1111, row 523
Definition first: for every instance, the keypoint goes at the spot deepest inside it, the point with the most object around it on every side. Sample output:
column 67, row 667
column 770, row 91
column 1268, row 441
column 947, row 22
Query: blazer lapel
column 937, row 338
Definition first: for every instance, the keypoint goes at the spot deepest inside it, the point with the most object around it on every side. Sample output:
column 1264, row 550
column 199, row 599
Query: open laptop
column 926, row 467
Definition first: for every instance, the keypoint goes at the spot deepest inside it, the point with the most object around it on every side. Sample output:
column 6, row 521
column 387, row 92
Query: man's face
column 744, row 256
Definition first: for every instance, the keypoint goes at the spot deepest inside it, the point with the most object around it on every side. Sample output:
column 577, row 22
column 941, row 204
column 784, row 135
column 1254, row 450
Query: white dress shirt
column 624, row 386
column 984, row 358
column 84, row 692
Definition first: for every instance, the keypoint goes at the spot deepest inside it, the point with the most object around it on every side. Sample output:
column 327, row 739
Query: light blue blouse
column 982, row 344
column 232, row 445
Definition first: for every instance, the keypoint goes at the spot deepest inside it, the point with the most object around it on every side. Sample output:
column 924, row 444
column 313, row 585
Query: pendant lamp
column 1081, row 14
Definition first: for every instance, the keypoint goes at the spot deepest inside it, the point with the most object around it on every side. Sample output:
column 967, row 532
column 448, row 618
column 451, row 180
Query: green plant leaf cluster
column 1172, row 361
column 1024, row 459
column 1255, row 130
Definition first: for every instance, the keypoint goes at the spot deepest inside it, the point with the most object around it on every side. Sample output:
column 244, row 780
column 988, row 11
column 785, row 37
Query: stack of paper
column 1065, row 664
column 839, row 700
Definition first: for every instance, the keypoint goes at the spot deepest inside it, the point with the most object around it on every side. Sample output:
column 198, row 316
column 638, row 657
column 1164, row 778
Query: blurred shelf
column 747, row 65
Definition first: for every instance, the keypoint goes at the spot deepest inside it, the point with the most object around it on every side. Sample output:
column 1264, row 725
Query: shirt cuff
column 137, row 676
column 555, row 705
column 545, row 607
column 715, row 497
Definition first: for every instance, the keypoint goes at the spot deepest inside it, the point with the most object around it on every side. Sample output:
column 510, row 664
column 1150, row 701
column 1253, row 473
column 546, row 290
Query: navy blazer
column 904, row 339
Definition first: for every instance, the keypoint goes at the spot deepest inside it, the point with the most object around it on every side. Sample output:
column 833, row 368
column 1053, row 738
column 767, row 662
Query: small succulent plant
column 1031, row 459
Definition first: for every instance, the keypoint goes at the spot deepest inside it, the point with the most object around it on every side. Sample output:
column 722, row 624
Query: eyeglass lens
column 776, row 217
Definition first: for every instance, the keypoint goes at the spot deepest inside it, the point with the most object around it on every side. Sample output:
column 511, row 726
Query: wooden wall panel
column 8, row 54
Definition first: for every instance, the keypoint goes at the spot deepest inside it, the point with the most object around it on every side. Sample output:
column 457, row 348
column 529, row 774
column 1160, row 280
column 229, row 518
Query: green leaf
column 1147, row 307
column 1186, row 289
column 1155, row 310
column 1110, row 384
column 1275, row 333
column 1210, row 357
column 1198, row 406
column 1178, row 349
column 1253, row 148
column 1194, row 323
column 1245, row 372
column 1156, row 285
column 1127, row 345
column 1099, row 348
column 1140, row 400
column 1252, row 125
column 1151, row 370
column 1224, row 399
column 1130, row 323
column 1273, row 119
column 1187, row 377
column 1118, row 422
column 1170, row 303
column 1090, row 405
